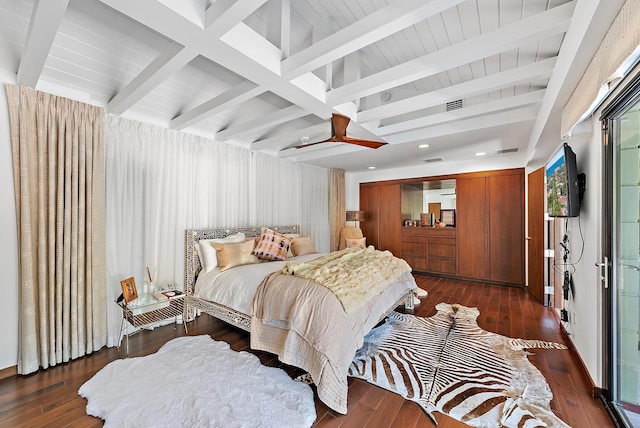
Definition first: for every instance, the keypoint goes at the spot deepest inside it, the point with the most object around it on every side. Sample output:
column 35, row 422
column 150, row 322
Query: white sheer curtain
column 292, row 193
column 161, row 182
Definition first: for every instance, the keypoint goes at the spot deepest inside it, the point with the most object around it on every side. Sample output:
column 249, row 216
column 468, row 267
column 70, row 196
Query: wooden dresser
column 489, row 227
column 430, row 249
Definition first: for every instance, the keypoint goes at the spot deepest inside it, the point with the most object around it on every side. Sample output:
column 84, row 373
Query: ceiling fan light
column 423, row 146
column 372, row 167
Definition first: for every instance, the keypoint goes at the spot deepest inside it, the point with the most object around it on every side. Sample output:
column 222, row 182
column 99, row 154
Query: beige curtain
column 336, row 205
column 58, row 163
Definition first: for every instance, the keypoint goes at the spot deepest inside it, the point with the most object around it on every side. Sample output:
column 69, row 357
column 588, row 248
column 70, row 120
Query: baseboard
column 596, row 391
column 8, row 372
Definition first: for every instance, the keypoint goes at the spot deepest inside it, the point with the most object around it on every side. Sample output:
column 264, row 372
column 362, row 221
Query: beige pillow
column 230, row 255
column 302, row 246
column 207, row 254
column 356, row 242
column 292, row 236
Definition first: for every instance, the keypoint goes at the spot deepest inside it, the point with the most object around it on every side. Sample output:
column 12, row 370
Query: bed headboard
column 192, row 236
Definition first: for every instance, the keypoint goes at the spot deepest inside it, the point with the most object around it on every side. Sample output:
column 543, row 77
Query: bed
column 319, row 337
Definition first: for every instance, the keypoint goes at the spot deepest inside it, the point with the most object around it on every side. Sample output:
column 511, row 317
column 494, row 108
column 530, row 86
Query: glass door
column 623, row 145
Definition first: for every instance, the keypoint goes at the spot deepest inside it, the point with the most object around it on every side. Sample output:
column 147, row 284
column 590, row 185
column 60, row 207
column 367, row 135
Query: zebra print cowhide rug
column 447, row 364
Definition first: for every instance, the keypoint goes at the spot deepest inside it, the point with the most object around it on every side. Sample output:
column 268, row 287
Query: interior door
column 535, row 234
column 434, row 208
column 506, row 227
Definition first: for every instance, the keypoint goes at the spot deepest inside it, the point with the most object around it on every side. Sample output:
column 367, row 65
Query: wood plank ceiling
column 460, row 75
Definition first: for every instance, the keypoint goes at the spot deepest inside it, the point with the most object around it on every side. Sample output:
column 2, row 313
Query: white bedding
column 235, row 287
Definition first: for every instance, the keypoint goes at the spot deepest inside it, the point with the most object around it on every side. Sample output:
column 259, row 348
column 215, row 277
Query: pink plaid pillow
column 272, row 245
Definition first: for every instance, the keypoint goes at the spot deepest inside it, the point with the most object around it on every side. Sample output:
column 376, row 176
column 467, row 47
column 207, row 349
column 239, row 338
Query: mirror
column 426, row 197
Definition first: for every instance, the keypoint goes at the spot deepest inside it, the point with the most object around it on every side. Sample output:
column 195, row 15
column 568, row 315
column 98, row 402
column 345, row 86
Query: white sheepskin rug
column 195, row 381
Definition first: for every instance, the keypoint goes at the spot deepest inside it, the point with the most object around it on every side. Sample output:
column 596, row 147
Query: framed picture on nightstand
column 129, row 291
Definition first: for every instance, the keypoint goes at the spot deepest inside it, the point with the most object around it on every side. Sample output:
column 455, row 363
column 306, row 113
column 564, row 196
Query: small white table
column 147, row 310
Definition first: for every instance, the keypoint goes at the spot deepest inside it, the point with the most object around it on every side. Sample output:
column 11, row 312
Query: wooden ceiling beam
column 263, row 122
column 46, row 17
column 546, row 24
column 460, row 126
column 319, row 151
column 164, row 66
column 240, row 50
column 466, row 125
column 322, row 130
column 219, row 18
column 222, row 16
column 474, row 87
column 481, row 109
column 279, row 25
column 232, row 97
column 589, row 25
column 380, row 24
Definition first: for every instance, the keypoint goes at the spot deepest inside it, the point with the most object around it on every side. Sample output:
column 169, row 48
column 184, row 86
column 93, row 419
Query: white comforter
column 236, row 287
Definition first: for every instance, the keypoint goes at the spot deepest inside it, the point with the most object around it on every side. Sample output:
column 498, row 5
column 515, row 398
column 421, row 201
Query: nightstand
column 147, row 310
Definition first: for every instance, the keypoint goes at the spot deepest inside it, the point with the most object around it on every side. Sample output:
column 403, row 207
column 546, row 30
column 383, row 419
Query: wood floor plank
column 51, row 394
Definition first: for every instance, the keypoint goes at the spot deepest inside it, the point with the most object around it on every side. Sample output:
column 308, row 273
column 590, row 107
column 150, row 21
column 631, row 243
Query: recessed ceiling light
column 423, row 146
column 372, row 167
column 480, row 154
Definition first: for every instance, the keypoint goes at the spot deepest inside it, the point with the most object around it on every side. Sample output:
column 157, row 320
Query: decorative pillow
column 207, row 253
column 292, row 236
column 358, row 243
column 272, row 245
column 302, row 246
column 230, row 255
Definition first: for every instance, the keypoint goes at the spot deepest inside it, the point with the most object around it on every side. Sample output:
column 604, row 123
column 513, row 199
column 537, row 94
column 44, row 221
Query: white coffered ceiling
column 264, row 74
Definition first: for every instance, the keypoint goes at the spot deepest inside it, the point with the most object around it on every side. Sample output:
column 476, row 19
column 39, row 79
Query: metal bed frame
column 192, row 268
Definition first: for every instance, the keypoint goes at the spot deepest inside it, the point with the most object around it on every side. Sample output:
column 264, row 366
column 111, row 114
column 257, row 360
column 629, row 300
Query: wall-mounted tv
column 563, row 190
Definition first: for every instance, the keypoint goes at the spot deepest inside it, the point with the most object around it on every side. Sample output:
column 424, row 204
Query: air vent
column 503, row 151
column 433, row 160
column 454, row 105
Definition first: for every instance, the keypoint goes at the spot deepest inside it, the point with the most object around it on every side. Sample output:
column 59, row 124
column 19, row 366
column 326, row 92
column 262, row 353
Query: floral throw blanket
column 353, row 274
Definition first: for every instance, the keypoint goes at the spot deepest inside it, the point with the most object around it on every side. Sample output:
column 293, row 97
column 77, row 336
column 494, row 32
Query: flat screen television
column 563, row 190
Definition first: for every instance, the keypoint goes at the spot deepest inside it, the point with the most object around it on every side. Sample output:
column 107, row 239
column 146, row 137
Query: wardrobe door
column 370, row 204
column 506, row 227
column 472, row 227
column 390, row 222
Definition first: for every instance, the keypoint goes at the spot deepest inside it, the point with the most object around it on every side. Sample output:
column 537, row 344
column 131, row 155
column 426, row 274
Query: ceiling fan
column 339, row 124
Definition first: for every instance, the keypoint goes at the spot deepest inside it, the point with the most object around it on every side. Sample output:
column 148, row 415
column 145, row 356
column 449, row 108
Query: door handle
column 604, row 278
column 626, row 266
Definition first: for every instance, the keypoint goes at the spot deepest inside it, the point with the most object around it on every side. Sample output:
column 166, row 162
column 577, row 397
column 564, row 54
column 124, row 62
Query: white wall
column 9, row 248
column 585, row 310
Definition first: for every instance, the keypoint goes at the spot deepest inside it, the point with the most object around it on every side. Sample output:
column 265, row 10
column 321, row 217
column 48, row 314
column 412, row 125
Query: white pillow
column 207, row 253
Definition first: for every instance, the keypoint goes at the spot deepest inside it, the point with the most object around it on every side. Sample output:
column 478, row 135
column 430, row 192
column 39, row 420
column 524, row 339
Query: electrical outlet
column 573, row 317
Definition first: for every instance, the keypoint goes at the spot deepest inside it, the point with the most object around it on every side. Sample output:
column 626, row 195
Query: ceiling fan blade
column 339, row 123
column 364, row 143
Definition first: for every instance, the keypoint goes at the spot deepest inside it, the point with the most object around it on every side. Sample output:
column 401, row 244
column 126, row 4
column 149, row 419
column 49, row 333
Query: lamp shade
column 355, row 215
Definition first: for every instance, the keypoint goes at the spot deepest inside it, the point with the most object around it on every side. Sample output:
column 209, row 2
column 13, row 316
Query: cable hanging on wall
column 567, row 268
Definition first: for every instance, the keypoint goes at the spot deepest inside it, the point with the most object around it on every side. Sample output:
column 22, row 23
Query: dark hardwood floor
column 50, row 398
